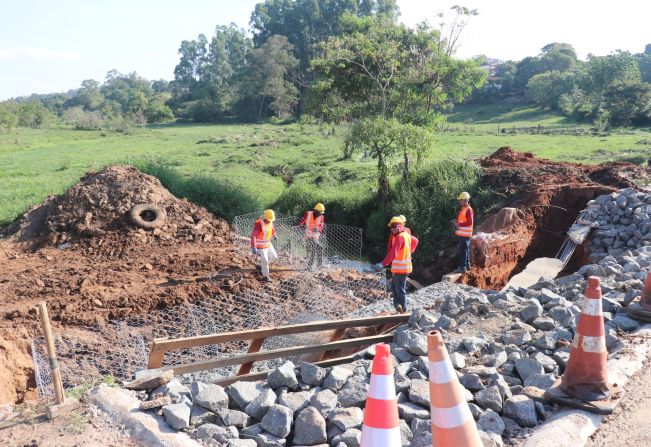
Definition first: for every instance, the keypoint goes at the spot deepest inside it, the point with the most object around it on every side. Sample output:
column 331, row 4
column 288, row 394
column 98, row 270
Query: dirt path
column 630, row 425
column 85, row 427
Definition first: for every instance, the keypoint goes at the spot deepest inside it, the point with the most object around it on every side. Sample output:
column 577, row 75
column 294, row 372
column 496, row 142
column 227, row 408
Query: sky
column 51, row 46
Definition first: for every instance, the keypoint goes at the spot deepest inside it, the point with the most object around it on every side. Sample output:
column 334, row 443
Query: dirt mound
column 547, row 197
column 100, row 204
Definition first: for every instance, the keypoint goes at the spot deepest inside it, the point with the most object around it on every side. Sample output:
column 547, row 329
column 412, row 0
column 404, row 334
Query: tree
column 8, row 115
column 206, row 79
column 306, row 23
column 628, row 102
column 545, row 89
column 88, row 96
column 382, row 139
column 387, row 79
column 266, row 85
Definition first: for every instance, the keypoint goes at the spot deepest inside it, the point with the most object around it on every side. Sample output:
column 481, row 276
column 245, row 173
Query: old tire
column 147, row 216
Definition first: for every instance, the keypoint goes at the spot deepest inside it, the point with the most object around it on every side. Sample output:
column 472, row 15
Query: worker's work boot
column 266, row 279
column 399, row 309
column 460, row 270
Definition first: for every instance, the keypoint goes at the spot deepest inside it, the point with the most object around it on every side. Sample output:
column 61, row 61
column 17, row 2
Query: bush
column 429, row 201
column 222, row 199
column 83, row 120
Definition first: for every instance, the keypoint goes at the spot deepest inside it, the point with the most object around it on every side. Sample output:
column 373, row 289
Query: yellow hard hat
column 396, row 220
column 464, row 196
column 404, row 219
column 319, row 207
column 270, row 215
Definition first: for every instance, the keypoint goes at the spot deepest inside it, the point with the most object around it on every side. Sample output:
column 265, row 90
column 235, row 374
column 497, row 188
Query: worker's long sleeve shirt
column 396, row 246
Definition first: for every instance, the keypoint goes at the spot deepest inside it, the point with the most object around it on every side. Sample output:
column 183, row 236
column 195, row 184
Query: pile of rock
column 624, row 221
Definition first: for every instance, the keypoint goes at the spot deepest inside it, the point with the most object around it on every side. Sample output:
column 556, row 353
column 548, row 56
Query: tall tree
column 266, row 85
column 306, row 23
column 378, row 73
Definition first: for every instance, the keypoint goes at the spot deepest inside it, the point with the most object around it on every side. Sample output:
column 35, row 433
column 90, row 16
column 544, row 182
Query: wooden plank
column 213, row 339
column 51, row 352
column 156, row 358
column 276, row 353
column 255, row 346
column 336, row 336
column 263, row 374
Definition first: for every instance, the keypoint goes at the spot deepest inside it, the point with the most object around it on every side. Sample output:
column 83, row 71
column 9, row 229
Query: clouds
column 35, row 54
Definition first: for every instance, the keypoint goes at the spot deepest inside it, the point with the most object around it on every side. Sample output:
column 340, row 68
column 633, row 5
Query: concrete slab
column 451, row 277
column 541, row 267
column 572, row 428
column 122, row 407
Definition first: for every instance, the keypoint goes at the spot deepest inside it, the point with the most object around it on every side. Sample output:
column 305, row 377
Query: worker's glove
column 378, row 266
column 254, row 250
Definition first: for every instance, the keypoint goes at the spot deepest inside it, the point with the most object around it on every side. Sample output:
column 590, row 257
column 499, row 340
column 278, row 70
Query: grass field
column 267, row 161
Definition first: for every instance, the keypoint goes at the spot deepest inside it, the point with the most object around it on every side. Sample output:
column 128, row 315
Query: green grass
column 284, row 164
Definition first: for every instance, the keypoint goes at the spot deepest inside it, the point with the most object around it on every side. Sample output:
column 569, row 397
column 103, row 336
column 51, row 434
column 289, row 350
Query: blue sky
column 49, row 46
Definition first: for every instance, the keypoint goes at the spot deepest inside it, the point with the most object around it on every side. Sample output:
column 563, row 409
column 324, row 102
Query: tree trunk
column 260, row 111
column 383, row 177
column 407, row 165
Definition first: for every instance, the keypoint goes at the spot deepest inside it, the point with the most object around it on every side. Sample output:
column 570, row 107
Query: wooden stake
column 52, row 356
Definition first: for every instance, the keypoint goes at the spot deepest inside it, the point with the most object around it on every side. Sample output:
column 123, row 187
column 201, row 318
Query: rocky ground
column 500, row 343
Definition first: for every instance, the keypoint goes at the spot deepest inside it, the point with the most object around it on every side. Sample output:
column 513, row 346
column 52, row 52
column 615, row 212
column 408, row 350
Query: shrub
column 221, row 199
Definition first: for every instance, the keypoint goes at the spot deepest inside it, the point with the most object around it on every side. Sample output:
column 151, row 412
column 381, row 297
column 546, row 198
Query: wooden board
column 556, row 395
column 277, row 353
column 316, row 326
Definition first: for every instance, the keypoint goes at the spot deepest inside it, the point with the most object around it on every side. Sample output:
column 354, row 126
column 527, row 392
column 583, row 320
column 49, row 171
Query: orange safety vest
column 263, row 238
column 312, row 225
column 401, row 265
column 463, row 231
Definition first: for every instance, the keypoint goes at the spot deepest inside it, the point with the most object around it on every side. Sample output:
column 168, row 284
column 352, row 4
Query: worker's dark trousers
column 464, row 253
column 315, row 252
column 399, row 289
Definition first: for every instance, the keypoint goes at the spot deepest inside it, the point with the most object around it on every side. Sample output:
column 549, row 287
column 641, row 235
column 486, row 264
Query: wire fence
column 336, row 289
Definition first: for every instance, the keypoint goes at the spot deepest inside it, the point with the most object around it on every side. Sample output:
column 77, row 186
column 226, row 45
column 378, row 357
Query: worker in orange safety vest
column 261, row 236
column 399, row 258
column 463, row 229
column 313, row 223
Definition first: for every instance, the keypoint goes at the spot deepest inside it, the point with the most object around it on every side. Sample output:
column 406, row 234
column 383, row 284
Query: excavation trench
column 543, row 199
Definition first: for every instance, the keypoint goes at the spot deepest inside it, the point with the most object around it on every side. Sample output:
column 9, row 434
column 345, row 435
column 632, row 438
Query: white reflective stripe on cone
column 382, row 387
column 591, row 307
column 441, row 372
column 451, row 417
column 380, row 437
column 594, row 344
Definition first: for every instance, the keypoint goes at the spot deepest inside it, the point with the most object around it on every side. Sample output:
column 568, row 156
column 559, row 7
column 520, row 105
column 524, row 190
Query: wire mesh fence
column 120, row 348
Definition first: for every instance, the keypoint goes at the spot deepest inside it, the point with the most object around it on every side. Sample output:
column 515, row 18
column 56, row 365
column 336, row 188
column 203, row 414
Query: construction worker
column 314, row 222
column 399, row 258
column 463, row 229
column 261, row 236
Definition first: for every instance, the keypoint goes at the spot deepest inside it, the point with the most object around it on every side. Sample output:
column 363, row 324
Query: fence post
column 51, row 353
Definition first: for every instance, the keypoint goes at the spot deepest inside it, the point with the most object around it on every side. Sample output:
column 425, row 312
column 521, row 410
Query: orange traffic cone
column 645, row 299
column 586, row 373
column 381, row 422
column 642, row 310
column 584, row 383
column 452, row 422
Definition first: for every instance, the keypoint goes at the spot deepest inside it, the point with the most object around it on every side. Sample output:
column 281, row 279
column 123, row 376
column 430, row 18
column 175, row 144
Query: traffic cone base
column 645, row 298
column 637, row 312
column 557, row 395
